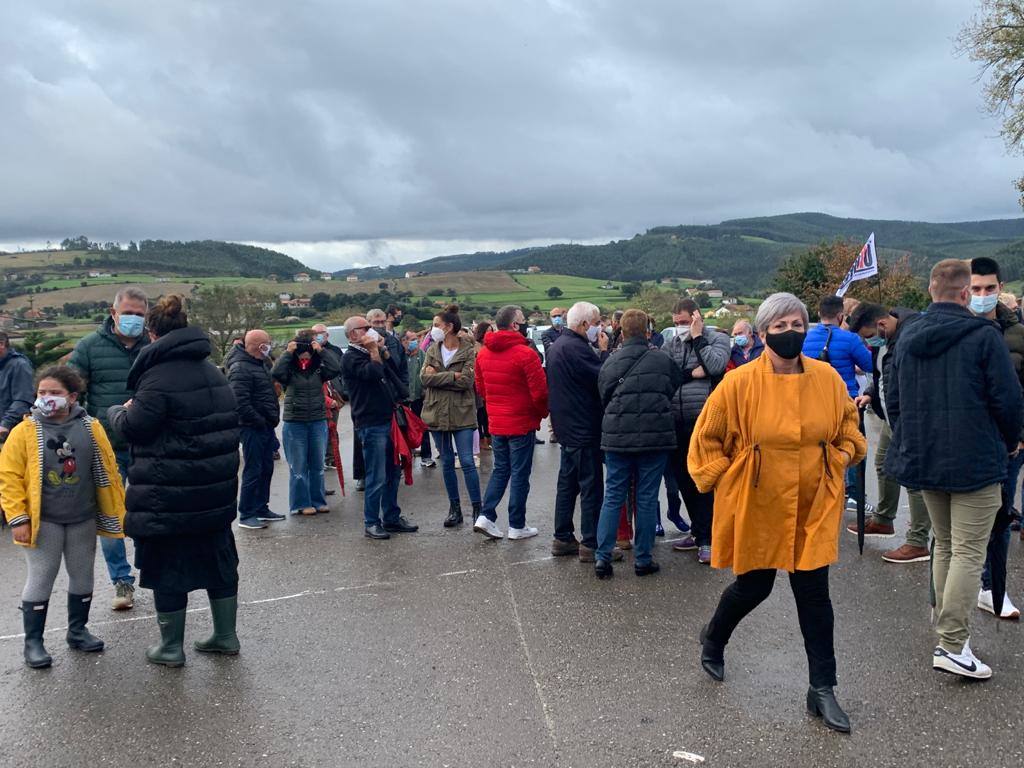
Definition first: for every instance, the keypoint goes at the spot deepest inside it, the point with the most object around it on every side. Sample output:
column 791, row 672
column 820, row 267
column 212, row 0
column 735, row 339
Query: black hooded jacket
column 183, row 431
column 255, row 395
column 954, row 403
column 636, row 385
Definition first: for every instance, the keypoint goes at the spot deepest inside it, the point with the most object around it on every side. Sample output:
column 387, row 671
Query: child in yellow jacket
column 59, row 487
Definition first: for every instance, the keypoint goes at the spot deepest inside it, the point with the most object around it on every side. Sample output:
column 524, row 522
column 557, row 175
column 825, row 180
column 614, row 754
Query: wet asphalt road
column 445, row 649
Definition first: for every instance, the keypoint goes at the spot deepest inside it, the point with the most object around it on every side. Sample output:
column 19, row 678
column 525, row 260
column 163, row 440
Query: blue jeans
column 1010, row 490
column 304, row 445
column 649, row 467
column 380, row 498
column 258, row 447
column 114, row 552
column 513, row 462
column 463, row 440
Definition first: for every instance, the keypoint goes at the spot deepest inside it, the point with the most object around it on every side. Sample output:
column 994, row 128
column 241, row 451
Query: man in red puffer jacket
column 510, row 379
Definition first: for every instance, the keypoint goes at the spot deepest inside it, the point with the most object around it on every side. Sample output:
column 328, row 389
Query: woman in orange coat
column 774, row 441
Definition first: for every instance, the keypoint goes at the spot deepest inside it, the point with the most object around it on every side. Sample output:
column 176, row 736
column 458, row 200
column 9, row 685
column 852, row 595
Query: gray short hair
column 130, row 292
column 505, row 316
column 374, row 314
column 581, row 312
column 778, row 305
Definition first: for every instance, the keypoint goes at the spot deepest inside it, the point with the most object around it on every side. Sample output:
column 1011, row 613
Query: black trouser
column 169, row 602
column 813, row 607
column 481, row 420
column 358, row 467
column 700, row 506
column 581, row 473
column 417, row 408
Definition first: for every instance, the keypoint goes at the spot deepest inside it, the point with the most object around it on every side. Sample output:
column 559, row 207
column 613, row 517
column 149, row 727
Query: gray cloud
column 383, row 121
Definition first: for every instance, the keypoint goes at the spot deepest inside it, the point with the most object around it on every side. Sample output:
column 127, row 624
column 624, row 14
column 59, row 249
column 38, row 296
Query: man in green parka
column 104, row 357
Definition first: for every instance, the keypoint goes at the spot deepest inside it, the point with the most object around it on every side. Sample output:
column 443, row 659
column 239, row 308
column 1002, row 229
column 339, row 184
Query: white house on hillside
column 302, row 277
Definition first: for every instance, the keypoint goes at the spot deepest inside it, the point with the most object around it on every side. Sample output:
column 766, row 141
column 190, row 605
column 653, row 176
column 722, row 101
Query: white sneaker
column 965, row 663
column 522, row 533
column 1010, row 611
column 487, row 528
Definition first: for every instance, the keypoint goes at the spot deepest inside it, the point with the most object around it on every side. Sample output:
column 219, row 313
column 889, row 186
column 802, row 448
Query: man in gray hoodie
column 701, row 354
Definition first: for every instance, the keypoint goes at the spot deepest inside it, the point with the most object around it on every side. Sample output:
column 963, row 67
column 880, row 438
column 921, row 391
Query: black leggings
column 813, row 608
column 171, row 602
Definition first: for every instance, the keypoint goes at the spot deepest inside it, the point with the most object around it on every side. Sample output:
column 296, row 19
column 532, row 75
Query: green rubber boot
column 169, row 651
column 223, row 640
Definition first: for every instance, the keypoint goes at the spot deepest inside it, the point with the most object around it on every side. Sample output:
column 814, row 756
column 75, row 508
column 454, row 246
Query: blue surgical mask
column 592, row 333
column 320, row 338
column 414, row 345
column 741, row 340
column 557, row 321
column 876, row 341
column 130, row 325
column 982, row 305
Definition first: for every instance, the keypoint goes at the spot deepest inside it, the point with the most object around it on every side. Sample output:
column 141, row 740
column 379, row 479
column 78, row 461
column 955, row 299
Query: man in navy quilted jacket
column 846, row 352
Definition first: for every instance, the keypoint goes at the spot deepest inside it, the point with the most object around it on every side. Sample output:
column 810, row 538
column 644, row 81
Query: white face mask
column 50, row 404
column 593, row 332
column 683, row 332
column 372, row 335
column 437, row 334
column 265, row 350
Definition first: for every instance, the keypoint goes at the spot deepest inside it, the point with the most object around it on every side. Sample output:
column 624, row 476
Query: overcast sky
column 377, row 130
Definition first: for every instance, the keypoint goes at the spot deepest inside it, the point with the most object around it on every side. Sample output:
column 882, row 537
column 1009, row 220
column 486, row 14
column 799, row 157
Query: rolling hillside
column 742, row 254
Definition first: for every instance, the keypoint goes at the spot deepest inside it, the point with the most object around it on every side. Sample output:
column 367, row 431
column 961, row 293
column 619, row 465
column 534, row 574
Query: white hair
column 778, row 305
column 581, row 312
column 375, row 314
column 351, row 323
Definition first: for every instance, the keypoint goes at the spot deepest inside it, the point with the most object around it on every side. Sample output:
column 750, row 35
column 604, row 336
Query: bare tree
column 226, row 312
column 995, row 39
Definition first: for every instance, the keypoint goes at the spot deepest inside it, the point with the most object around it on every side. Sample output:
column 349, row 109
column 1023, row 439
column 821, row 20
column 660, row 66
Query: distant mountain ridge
column 742, row 254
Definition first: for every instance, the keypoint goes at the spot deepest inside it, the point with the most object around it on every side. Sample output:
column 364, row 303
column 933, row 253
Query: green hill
column 742, row 254
column 198, row 257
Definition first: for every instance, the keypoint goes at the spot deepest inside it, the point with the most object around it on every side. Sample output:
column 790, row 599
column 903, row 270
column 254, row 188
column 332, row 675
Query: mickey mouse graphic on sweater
column 65, row 453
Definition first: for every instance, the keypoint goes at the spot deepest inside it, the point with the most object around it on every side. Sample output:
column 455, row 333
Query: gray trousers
column 76, row 544
column 889, row 494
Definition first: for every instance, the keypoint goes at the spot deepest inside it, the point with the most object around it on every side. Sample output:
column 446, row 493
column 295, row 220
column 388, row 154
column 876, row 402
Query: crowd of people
column 757, row 433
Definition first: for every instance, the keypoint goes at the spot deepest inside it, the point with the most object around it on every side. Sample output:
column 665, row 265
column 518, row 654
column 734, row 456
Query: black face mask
column 787, row 344
column 524, row 329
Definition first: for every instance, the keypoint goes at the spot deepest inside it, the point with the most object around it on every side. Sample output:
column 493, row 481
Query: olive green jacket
column 449, row 403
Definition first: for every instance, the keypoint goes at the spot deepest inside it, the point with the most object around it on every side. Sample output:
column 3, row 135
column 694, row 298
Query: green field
column 534, row 292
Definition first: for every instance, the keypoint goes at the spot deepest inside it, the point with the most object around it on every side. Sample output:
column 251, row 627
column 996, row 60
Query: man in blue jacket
column 846, row 352
column 573, row 366
column 956, row 411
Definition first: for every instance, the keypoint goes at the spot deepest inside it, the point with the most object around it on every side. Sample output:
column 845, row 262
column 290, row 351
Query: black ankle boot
column 33, row 616
column 454, row 515
column 821, row 702
column 478, row 507
column 80, row 638
column 712, row 656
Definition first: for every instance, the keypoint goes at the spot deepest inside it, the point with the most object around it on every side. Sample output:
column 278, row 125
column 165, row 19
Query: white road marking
column 688, row 756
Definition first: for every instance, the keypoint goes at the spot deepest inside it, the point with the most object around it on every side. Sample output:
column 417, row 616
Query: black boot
column 80, row 638
column 33, row 616
column 712, row 656
column 454, row 515
column 821, row 702
column 478, row 507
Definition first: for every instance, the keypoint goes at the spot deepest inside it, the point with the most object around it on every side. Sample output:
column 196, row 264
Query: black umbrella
column 997, row 552
column 862, row 478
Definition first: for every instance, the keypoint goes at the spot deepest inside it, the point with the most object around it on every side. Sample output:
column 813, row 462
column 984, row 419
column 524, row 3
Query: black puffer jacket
column 954, row 403
column 183, row 431
column 636, row 386
column 304, row 390
column 254, row 392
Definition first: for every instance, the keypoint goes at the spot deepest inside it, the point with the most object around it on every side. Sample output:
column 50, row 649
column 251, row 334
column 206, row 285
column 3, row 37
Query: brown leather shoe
column 874, row 528
column 624, row 544
column 308, row 512
column 561, row 548
column 587, row 554
column 908, row 553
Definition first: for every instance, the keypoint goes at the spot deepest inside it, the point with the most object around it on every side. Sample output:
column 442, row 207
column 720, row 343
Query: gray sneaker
column 124, row 596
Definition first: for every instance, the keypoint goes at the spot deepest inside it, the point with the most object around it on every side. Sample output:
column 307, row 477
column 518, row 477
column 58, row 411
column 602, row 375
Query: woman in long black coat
column 183, row 480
